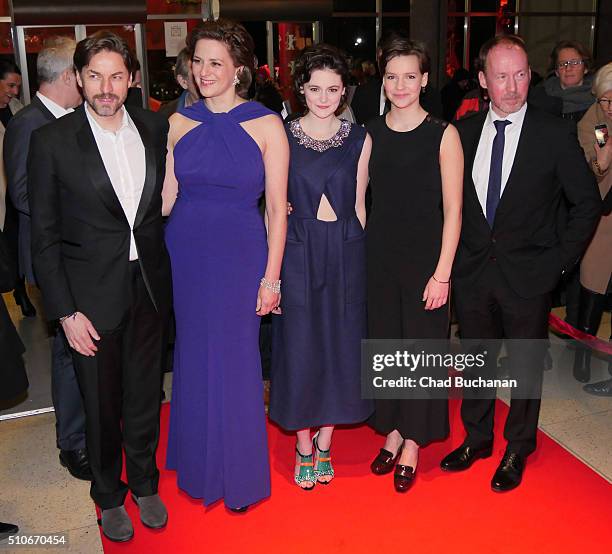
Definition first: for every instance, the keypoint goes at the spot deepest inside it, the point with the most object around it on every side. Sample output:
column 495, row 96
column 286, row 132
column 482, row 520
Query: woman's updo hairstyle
column 320, row 56
column 239, row 44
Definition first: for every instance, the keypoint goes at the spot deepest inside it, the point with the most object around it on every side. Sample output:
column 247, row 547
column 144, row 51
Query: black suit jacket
column 527, row 242
column 16, row 147
column 366, row 101
column 80, row 235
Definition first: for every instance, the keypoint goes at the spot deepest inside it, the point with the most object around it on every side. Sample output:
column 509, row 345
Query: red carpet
column 562, row 506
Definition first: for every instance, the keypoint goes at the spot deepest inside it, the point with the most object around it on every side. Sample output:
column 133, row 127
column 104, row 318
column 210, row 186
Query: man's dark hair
column 102, row 41
column 6, row 67
column 508, row 40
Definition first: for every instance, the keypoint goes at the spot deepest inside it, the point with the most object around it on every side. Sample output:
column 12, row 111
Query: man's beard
column 105, row 110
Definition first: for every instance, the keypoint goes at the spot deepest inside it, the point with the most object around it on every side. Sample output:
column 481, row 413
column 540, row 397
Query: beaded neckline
column 320, row 145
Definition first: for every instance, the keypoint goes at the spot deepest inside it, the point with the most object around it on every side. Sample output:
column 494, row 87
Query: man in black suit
column 94, row 181
column 58, row 95
column 520, row 163
column 10, row 84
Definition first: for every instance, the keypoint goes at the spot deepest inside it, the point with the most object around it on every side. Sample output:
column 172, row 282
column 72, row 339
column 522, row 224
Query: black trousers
column 67, row 399
column 121, row 388
column 490, row 309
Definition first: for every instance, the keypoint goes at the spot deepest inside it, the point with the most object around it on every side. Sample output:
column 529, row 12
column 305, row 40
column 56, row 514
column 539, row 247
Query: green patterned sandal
column 323, row 465
column 304, row 470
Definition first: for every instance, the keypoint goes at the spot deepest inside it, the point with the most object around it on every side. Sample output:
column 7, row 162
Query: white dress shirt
column 482, row 160
column 123, row 155
column 57, row 110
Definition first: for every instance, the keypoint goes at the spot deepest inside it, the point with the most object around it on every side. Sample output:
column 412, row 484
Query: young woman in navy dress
column 315, row 378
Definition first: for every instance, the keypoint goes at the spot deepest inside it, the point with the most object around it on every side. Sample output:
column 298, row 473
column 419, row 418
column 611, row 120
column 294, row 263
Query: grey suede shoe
column 153, row 513
column 116, row 524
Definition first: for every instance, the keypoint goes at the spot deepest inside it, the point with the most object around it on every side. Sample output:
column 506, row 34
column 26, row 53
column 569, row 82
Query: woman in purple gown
column 223, row 153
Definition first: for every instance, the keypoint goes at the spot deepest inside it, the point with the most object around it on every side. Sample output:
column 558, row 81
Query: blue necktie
column 495, row 172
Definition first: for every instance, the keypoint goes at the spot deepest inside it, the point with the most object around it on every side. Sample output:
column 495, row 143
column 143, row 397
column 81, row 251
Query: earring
column 236, row 81
column 422, row 90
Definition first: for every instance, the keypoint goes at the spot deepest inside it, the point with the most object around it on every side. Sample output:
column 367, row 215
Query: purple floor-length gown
column 218, row 248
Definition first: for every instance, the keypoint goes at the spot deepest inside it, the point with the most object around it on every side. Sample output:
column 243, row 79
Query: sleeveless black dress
column 404, row 237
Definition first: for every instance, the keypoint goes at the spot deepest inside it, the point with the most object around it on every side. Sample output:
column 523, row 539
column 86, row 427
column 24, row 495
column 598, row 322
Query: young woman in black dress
column 416, row 178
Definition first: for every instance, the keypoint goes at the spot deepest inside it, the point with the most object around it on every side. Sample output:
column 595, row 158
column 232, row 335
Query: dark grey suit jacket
column 16, row 147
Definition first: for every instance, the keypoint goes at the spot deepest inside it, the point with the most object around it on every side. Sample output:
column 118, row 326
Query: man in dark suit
column 94, row 181
column 58, row 94
column 520, row 163
column 10, row 84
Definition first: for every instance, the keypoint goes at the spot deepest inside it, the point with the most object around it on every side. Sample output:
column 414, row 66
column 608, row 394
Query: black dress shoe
column 603, row 388
column 463, row 457
column 403, row 477
column 509, row 473
column 21, row 299
column 7, row 529
column 384, row 462
column 77, row 463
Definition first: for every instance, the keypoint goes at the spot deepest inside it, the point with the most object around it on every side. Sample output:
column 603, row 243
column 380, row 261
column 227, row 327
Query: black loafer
column 509, row 473
column 77, row 463
column 384, row 462
column 463, row 457
column 403, row 477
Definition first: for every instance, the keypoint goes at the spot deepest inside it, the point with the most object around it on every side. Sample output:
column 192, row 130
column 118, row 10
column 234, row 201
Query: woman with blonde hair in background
column 596, row 265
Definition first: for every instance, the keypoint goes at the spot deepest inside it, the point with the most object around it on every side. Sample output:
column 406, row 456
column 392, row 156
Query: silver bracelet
column 64, row 318
column 274, row 286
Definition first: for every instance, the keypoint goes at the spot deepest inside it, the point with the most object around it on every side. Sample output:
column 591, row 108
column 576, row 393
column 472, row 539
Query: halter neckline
column 241, row 112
